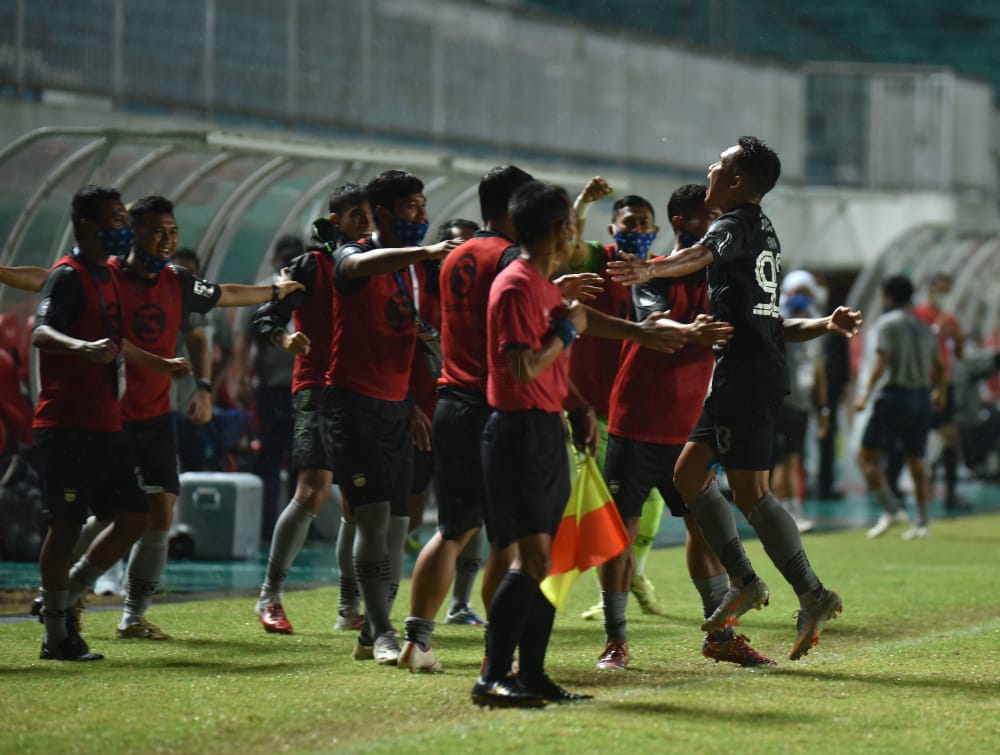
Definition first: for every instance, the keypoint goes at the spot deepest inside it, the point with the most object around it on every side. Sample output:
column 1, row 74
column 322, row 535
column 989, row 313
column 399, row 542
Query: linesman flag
column 590, row 533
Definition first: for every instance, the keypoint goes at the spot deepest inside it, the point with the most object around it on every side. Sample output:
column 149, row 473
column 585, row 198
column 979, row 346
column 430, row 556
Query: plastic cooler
column 217, row 516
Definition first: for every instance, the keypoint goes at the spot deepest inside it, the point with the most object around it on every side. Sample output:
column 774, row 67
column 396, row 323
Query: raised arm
column 376, row 261
column 843, row 321
column 27, row 278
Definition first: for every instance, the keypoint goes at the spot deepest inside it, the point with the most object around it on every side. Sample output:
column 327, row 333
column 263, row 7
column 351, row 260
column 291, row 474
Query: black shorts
column 790, row 432
column 154, row 445
column 899, row 414
column 459, row 487
column 739, row 428
column 87, row 472
column 309, row 443
column 372, row 445
column 633, row 468
column 526, row 469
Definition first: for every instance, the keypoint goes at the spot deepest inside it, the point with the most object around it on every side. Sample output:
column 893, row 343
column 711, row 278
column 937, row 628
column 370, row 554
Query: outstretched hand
column 582, row 286
column 845, row 321
column 629, row 270
column 705, row 331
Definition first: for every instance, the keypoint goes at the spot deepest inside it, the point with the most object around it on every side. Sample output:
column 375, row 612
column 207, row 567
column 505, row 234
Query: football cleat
column 645, row 595
column 735, row 649
column 417, row 660
column 272, row 617
column 386, row 650
column 615, row 656
column 466, row 616
column 140, row 629
column 506, row 693
column 812, row 617
column 72, row 648
column 736, row 602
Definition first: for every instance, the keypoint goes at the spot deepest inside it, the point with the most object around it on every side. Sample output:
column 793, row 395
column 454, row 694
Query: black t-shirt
column 743, row 286
column 62, row 298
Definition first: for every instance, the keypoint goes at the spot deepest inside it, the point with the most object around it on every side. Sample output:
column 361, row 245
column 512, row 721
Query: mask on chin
column 409, row 232
column 150, row 263
column 116, row 241
column 634, row 243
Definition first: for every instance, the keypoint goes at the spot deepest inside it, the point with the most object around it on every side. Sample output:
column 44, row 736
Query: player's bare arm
column 26, row 278
column 239, row 295
column 377, row 261
column 843, row 321
column 631, row 271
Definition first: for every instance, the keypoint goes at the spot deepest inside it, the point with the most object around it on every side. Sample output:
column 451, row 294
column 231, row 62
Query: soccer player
column 529, row 332
column 594, row 362
column 748, row 386
column 349, row 219
column 460, row 416
column 906, row 354
column 654, row 405
column 367, row 382
column 86, row 460
column 155, row 299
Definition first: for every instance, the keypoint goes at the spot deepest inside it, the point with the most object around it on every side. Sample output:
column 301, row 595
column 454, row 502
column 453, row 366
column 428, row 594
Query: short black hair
column 287, row 248
column 630, row 200
column 899, row 288
column 152, row 204
column 687, row 200
column 188, row 254
column 496, row 187
column 347, row 196
column 758, row 163
column 390, row 186
column 444, row 230
column 534, row 207
column 88, row 203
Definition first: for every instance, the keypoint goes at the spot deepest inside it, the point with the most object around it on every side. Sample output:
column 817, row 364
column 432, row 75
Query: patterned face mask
column 116, row 241
column 410, row 232
column 635, row 243
column 151, row 263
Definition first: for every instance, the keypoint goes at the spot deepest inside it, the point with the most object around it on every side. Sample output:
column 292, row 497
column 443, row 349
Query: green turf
column 911, row 666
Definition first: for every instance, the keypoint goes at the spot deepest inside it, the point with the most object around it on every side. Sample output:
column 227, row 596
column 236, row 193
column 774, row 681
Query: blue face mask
column 150, row 263
column 799, row 303
column 634, row 243
column 116, row 241
column 410, row 232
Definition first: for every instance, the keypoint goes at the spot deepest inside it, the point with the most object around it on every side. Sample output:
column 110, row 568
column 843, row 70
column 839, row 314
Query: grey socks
column 54, row 603
column 145, row 570
column 349, row 599
column 398, row 528
column 466, row 567
column 715, row 517
column 82, row 577
column 780, row 537
column 372, row 563
column 712, row 590
column 614, row 614
column 289, row 536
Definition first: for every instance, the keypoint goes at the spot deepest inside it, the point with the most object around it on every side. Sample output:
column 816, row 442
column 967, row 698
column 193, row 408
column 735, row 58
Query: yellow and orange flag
column 590, row 533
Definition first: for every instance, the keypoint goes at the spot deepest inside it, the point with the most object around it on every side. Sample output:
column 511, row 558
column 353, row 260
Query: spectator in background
column 272, row 371
column 807, row 391
column 208, row 341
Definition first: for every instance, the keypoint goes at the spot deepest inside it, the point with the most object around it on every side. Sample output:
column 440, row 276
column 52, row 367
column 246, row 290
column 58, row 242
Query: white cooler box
column 217, row 516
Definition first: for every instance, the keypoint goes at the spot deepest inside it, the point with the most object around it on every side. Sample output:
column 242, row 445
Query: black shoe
column 504, row 694
column 549, row 690
column 72, row 648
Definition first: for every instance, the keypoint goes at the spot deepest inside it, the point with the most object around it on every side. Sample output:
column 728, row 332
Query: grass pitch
column 913, row 665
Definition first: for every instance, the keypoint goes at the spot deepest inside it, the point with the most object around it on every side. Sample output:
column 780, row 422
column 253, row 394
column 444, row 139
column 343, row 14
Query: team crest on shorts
column 614, row 486
column 69, row 495
column 359, row 480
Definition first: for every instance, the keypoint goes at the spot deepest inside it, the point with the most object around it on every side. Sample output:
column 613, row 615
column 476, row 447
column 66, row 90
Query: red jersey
column 519, row 316
column 81, row 300
column 657, row 397
column 467, row 274
column 374, row 331
column 946, row 328
column 594, row 361
column 151, row 319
